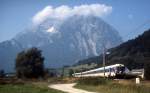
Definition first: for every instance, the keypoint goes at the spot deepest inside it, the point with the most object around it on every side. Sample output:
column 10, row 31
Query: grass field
column 115, row 87
column 27, row 88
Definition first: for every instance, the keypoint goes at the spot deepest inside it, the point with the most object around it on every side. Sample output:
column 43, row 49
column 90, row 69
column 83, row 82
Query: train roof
column 101, row 68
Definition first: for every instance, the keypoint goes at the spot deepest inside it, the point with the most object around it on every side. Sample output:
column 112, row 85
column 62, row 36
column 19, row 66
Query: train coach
column 107, row 71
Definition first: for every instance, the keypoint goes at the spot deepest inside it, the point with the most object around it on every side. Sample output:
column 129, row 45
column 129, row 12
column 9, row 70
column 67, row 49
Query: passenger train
column 110, row 71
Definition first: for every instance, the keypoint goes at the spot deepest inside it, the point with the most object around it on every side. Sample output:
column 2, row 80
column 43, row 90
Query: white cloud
column 65, row 11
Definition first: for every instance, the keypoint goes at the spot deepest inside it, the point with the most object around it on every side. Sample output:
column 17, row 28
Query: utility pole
column 81, row 70
column 63, row 71
column 104, row 59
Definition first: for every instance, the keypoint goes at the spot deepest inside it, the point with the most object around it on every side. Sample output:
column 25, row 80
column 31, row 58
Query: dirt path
column 68, row 88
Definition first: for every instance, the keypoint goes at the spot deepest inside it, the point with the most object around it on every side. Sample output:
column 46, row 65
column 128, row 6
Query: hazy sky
column 129, row 17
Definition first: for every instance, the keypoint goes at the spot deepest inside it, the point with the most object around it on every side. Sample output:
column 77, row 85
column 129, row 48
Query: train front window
column 120, row 70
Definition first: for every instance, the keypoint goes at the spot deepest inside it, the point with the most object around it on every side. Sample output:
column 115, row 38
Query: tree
column 2, row 73
column 70, row 72
column 29, row 64
column 147, row 71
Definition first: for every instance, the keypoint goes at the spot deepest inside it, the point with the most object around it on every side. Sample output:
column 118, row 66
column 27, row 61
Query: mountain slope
column 133, row 53
column 68, row 41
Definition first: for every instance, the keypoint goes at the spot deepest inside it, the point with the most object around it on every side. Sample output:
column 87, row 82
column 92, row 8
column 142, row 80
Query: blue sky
column 127, row 16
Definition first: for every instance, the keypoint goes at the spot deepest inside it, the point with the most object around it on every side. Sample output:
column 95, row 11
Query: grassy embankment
column 27, row 87
column 111, row 86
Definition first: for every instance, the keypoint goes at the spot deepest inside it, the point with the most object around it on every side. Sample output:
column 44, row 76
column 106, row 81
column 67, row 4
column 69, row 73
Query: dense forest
column 134, row 53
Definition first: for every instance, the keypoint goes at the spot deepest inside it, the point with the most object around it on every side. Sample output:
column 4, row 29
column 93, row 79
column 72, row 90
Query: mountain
column 63, row 42
column 134, row 53
column 8, row 52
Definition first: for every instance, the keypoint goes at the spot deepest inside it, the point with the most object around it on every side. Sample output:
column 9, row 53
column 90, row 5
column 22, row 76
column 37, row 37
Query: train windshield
column 120, row 70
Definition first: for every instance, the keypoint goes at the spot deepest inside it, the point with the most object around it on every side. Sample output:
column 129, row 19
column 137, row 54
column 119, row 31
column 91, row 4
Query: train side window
column 106, row 70
column 101, row 71
column 110, row 69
